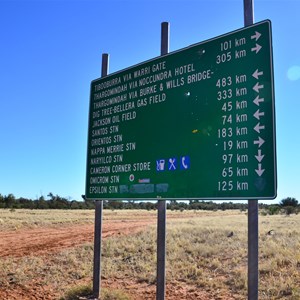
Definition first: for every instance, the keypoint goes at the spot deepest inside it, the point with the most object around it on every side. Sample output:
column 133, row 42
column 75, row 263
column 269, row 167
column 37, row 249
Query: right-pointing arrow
column 259, row 156
column 259, row 142
column 256, row 36
column 256, row 48
column 259, row 171
column 258, row 100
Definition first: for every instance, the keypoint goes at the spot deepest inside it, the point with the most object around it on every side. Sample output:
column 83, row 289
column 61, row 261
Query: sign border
column 174, row 52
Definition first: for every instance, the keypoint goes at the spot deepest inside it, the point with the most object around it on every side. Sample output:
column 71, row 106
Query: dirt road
column 47, row 241
column 44, row 240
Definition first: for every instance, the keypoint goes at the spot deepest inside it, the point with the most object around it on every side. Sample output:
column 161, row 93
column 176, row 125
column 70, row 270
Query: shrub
column 274, row 210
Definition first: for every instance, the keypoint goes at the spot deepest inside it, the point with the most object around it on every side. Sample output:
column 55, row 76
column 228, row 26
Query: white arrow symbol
column 257, row 87
column 256, row 36
column 256, row 48
column 258, row 127
column 259, row 171
column 259, row 157
column 258, row 114
column 256, row 74
column 258, row 100
column 259, row 142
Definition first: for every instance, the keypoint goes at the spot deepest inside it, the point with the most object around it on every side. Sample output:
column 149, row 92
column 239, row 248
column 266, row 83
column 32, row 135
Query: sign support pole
column 97, row 248
column 161, row 250
column 161, row 205
column 98, row 217
column 252, row 249
column 252, row 204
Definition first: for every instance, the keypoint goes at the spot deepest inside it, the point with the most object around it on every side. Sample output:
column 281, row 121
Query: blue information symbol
column 172, row 164
column 185, row 162
column 160, row 165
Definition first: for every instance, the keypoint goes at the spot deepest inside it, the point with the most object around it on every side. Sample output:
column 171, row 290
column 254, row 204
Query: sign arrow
column 256, row 48
column 256, row 36
column 259, row 171
column 258, row 127
column 259, row 142
column 259, row 157
column 256, row 74
column 257, row 87
column 258, row 100
column 258, row 114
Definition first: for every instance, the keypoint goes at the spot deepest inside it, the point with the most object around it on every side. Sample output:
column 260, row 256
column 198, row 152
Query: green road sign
column 194, row 124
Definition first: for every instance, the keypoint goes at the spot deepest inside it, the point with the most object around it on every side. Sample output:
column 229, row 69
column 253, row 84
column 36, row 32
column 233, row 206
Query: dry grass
column 26, row 218
column 199, row 253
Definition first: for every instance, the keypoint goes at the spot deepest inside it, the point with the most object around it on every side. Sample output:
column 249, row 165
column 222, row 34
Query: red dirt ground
column 43, row 241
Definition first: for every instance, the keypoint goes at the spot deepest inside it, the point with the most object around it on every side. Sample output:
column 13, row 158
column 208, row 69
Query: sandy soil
column 44, row 241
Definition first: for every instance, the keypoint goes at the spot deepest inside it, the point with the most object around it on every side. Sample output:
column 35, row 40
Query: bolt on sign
column 197, row 123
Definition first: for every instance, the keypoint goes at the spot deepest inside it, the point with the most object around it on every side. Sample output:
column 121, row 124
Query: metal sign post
column 252, row 204
column 162, row 205
column 161, row 250
column 252, row 249
column 98, row 217
column 97, row 248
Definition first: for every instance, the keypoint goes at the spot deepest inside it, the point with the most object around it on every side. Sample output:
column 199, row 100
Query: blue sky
column 51, row 51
